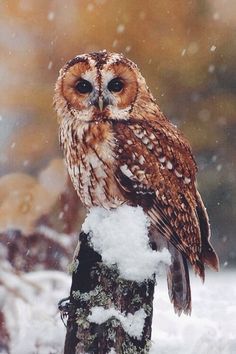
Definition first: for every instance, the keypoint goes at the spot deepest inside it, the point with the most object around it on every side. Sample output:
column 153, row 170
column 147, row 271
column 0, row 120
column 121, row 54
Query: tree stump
column 95, row 285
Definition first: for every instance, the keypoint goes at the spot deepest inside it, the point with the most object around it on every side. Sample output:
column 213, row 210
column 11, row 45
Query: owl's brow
column 100, row 58
column 74, row 61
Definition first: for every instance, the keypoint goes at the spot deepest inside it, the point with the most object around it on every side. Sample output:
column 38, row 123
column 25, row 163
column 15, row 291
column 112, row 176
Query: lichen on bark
column 96, row 284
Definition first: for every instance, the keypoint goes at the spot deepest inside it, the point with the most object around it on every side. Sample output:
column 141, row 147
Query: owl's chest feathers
column 90, row 151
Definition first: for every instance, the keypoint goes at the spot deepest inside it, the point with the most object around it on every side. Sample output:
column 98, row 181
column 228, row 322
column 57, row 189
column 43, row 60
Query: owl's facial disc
column 120, row 85
column 78, row 85
column 108, row 88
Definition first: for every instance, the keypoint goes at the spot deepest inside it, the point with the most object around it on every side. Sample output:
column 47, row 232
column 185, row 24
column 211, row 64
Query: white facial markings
column 91, row 76
column 107, row 76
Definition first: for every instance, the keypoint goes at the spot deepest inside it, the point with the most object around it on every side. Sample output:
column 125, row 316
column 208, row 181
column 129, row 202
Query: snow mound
column 120, row 236
column 132, row 323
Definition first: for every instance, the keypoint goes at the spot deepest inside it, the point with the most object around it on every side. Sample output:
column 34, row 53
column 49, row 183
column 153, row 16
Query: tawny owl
column 120, row 148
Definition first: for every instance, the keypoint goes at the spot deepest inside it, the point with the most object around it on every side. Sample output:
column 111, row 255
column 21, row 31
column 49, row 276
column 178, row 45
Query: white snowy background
column 35, row 322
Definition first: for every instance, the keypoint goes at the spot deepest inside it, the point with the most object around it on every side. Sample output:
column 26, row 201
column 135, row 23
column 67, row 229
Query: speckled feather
column 129, row 152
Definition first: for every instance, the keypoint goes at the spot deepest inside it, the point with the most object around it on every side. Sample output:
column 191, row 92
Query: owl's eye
column 115, row 85
column 84, row 86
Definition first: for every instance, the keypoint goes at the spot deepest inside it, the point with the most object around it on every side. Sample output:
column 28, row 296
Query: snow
column 128, row 48
column 211, row 328
column 124, row 230
column 30, row 308
column 51, row 16
column 50, row 64
column 63, row 239
column 216, row 16
column 211, row 68
column 36, row 327
column 112, row 351
column 90, row 7
column 132, row 323
column 193, row 48
column 120, row 28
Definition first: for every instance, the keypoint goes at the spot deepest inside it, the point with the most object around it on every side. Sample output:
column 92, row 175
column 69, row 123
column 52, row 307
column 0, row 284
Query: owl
column 120, row 148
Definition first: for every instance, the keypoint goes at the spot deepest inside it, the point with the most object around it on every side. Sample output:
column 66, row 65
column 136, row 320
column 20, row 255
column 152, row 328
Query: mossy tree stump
column 94, row 284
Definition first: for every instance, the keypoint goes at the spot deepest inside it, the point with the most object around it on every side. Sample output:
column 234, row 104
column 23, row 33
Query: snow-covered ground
column 30, row 308
column 211, row 328
column 35, row 323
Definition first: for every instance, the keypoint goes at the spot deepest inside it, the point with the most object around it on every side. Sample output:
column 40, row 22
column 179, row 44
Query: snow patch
column 132, row 323
column 112, row 351
column 120, row 28
column 211, row 328
column 120, row 236
column 30, row 308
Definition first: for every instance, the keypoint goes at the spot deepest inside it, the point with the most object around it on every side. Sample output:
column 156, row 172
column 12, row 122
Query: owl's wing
column 157, row 171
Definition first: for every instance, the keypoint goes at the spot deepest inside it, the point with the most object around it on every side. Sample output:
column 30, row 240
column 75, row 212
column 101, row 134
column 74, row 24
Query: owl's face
column 98, row 85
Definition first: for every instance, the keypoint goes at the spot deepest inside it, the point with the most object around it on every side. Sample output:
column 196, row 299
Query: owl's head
column 99, row 85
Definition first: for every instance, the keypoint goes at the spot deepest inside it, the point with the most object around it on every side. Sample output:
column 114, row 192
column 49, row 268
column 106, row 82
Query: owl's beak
column 100, row 104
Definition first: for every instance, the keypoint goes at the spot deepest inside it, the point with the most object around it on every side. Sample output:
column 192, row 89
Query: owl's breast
column 90, row 153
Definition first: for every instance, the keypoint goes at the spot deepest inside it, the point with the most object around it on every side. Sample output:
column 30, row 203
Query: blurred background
column 185, row 49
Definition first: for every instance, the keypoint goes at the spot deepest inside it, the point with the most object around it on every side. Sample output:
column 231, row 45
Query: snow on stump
column 113, row 278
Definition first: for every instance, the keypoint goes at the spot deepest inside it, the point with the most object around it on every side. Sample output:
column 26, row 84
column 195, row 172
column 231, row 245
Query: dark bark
column 95, row 284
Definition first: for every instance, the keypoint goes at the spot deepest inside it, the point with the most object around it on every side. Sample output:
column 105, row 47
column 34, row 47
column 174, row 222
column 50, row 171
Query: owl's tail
column 177, row 274
column 209, row 255
column 178, row 282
